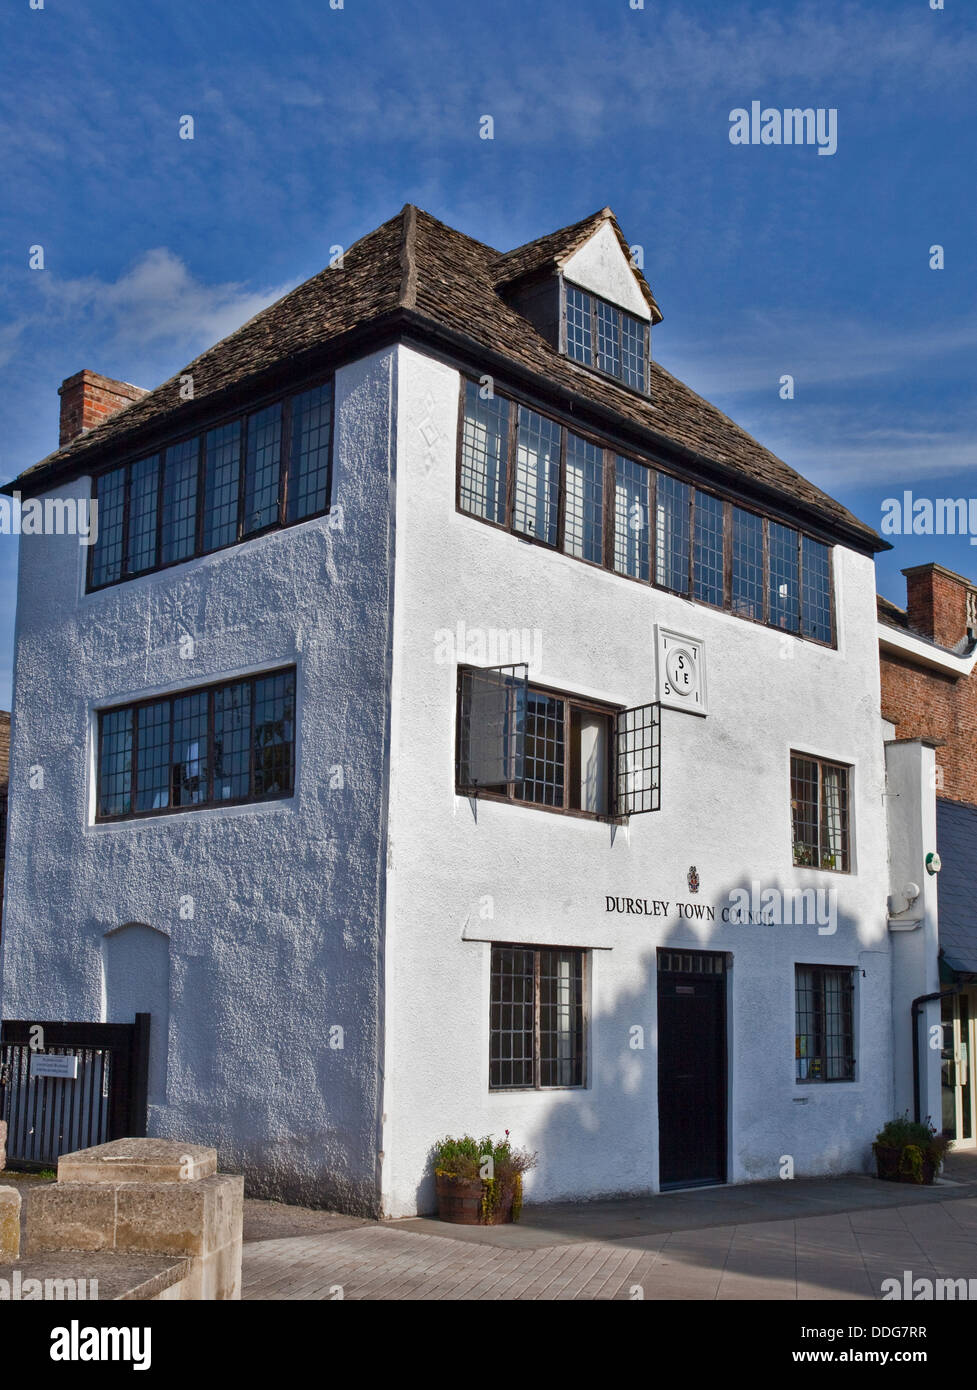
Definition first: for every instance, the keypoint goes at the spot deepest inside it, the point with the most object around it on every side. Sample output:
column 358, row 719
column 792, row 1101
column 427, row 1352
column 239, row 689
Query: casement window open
column 545, row 748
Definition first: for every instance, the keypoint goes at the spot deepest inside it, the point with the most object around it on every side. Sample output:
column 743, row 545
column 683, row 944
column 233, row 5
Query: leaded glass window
column 748, row 586
column 484, row 451
column 262, row 476
column 537, row 490
column 222, row 488
column 179, row 534
column 632, row 519
column 783, row 579
column 308, row 476
column 604, row 336
column 154, row 513
column 708, row 570
column 672, row 533
column 820, row 818
column 584, row 521
column 226, row 743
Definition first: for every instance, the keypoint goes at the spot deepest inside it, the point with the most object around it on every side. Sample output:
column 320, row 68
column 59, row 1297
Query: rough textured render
column 283, row 942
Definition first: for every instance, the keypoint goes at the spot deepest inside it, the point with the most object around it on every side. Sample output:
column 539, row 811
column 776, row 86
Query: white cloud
column 157, row 301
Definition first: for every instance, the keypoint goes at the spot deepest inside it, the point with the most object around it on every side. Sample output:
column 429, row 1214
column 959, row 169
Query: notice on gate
column 64, row 1067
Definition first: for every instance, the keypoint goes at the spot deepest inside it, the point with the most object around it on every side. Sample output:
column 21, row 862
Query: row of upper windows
column 523, row 471
column 269, row 468
column 517, row 469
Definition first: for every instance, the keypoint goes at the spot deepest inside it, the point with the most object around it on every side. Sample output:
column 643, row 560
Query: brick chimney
column 87, row 399
column 939, row 604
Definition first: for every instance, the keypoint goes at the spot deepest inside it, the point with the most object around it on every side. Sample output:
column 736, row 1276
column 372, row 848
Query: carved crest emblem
column 693, row 879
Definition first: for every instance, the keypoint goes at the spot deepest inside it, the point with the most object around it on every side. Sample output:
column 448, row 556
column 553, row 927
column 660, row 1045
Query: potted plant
column 909, row 1151
column 479, row 1181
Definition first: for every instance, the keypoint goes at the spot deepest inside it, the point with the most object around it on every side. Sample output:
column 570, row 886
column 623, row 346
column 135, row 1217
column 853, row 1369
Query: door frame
column 694, row 957
column 970, row 993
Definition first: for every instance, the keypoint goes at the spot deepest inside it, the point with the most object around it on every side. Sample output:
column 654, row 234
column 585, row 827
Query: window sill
column 596, row 816
column 279, row 805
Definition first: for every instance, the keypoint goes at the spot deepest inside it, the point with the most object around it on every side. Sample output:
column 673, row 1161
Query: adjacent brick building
column 923, row 694
column 928, row 660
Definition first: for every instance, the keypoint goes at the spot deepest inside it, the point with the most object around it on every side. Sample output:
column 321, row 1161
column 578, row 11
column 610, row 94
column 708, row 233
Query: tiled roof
column 443, row 281
column 4, row 752
column 890, row 613
column 956, row 838
column 553, row 251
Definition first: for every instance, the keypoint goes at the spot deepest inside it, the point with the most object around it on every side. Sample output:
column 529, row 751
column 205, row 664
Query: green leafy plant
column 915, row 1141
column 493, row 1162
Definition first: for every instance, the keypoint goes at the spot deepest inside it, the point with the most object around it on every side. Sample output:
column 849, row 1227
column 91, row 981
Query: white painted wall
column 602, row 267
column 911, row 805
column 287, row 897
column 725, row 808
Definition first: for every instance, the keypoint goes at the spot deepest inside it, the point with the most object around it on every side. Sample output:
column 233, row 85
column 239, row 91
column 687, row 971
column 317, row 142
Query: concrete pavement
column 815, row 1239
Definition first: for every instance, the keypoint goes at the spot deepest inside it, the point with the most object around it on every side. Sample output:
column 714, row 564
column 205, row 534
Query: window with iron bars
column 548, row 749
column 536, row 1025
column 824, row 1044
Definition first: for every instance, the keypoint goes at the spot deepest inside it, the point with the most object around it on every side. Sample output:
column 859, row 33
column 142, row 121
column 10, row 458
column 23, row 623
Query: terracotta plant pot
column 460, row 1202
column 891, row 1168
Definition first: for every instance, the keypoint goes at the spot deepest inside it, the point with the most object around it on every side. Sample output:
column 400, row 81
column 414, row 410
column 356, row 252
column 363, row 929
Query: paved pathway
column 841, row 1255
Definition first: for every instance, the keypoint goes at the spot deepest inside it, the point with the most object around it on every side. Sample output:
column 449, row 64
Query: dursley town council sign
column 755, row 906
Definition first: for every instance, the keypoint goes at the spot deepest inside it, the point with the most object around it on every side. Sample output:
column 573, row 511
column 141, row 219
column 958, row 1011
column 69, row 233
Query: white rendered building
column 458, row 725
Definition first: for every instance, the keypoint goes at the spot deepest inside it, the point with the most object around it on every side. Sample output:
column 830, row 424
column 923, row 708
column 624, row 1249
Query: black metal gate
column 52, row 1115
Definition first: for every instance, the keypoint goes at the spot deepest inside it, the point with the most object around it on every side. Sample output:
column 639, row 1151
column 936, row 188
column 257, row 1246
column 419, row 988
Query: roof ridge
column 407, row 299
column 602, row 215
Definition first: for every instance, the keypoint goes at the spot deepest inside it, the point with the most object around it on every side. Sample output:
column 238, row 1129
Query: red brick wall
column 925, row 704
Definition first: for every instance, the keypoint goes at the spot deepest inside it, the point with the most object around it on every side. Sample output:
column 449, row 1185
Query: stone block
column 9, row 1224
column 180, row 1219
column 3, row 1145
column 139, row 1160
column 71, row 1216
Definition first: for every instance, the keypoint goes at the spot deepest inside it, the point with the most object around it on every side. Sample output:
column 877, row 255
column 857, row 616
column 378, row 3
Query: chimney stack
column 940, row 604
column 87, row 399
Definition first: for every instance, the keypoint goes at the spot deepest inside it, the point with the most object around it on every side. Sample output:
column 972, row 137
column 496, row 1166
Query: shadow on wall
column 824, row 1128
column 136, row 979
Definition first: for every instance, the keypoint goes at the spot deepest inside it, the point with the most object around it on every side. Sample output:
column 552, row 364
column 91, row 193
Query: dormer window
column 601, row 335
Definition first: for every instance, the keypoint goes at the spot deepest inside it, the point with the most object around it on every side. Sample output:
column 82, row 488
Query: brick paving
column 834, row 1256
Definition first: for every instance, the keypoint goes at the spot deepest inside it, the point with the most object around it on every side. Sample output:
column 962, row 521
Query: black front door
column 691, row 1069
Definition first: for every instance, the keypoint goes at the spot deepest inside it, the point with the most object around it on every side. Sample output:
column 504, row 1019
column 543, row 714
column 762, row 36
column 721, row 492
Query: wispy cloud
column 764, row 346
column 155, row 304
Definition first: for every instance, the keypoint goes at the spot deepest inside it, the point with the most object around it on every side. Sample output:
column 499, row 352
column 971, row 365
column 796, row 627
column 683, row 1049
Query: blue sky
column 314, row 124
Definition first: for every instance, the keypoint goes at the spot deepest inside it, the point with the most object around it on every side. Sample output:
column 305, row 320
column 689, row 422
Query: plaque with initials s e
column 681, row 671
